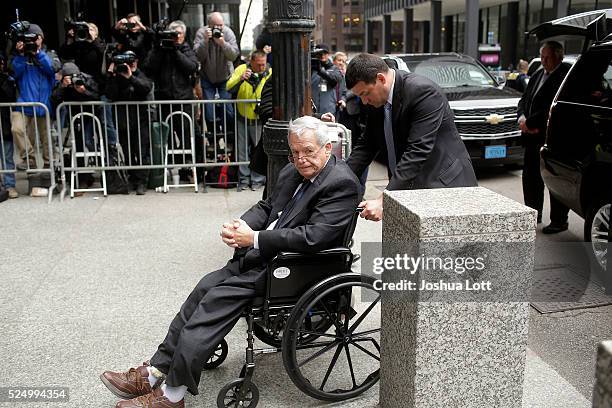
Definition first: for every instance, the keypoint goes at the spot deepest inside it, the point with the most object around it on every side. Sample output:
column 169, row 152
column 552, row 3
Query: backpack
column 225, row 176
column 116, row 180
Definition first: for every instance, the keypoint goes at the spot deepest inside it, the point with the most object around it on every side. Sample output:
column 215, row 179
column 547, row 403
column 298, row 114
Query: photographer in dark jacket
column 126, row 82
column 86, row 52
column 323, row 81
column 172, row 65
column 131, row 35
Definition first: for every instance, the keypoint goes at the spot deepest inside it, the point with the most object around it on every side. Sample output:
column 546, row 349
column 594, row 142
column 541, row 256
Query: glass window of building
column 346, row 20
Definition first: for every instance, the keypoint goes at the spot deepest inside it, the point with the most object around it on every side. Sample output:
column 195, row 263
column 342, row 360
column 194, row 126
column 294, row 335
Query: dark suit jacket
column 428, row 148
column 535, row 106
column 318, row 220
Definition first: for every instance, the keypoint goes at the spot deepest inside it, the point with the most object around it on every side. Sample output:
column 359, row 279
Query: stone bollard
column 466, row 346
column 602, row 394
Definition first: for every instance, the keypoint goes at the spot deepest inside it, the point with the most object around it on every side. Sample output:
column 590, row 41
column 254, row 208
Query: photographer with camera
column 33, row 71
column 216, row 48
column 247, row 82
column 325, row 77
column 172, row 64
column 125, row 82
column 131, row 35
column 84, row 47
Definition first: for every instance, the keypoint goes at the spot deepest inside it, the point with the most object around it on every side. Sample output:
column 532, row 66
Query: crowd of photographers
column 141, row 64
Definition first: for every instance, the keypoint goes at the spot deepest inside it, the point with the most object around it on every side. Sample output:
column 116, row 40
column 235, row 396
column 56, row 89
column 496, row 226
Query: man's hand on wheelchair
column 237, row 234
column 372, row 209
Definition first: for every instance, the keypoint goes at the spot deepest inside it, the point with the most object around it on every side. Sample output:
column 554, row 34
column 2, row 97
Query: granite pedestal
column 465, row 346
column 602, row 394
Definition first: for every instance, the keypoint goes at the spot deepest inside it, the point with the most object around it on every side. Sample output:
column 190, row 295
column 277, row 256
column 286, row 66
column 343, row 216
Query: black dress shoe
column 554, row 228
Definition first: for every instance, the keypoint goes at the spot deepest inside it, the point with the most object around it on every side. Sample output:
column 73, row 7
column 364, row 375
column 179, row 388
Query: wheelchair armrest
column 282, row 256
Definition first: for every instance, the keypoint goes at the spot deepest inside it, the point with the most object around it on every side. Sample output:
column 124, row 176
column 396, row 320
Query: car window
column 591, row 80
column 452, row 74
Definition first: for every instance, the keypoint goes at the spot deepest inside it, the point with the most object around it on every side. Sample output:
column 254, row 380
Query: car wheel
column 597, row 231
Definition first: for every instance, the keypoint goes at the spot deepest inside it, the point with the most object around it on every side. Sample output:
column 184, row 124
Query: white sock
column 174, row 394
column 152, row 378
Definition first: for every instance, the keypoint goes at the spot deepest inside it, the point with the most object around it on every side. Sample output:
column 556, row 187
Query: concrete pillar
column 463, row 347
column 386, row 34
column 408, row 30
column 602, row 393
column 561, row 8
column 509, row 36
column 369, row 36
column 470, row 46
column 435, row 33
column 449, row 35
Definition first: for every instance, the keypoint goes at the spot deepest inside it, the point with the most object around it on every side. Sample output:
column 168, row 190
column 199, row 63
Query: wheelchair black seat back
column 315, row 310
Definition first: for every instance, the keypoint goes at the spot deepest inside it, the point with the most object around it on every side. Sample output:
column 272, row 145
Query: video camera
column 122, row 61
column 164, row 38
column 79, row 26
column 18, row 32
column 315, row 57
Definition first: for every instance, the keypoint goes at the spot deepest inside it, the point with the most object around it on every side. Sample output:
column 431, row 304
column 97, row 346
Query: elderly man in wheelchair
column 290, row 277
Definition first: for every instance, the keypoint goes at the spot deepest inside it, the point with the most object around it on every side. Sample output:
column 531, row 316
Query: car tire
column 597, row 230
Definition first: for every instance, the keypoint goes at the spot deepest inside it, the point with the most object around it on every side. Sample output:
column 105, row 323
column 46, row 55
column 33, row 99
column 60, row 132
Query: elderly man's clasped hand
column 237, row 234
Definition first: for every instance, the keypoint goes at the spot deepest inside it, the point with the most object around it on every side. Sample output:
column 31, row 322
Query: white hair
column 309, row 123
column 178, row 24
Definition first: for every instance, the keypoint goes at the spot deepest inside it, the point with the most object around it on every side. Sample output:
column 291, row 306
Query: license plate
column 495, row 152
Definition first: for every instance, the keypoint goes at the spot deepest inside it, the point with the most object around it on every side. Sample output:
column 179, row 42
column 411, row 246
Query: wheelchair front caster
column 217, row 357
column 238, row 394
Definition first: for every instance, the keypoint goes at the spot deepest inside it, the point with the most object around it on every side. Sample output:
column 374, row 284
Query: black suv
column 485, row 111
column 577, row 157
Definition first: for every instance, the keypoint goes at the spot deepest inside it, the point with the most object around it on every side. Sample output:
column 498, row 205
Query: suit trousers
column 207, row 316
column 533, row 187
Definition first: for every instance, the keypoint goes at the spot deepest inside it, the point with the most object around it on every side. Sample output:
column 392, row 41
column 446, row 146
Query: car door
column 579, row 129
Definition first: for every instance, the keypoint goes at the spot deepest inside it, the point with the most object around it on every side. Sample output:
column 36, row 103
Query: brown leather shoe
column 154, row 399
column 130, row 384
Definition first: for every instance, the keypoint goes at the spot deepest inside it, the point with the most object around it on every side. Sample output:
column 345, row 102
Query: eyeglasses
column 308, row 155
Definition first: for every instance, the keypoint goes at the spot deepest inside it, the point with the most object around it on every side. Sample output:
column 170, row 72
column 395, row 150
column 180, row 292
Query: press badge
column 323, row 86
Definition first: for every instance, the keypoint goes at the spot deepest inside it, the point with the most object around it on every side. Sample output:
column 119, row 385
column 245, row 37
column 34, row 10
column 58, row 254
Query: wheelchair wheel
column 238, row 394
column 317, row 322
column 217, row 357
column 316, row 367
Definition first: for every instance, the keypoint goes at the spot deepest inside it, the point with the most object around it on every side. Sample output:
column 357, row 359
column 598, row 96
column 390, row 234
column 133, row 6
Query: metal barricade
column 28, row 135
column 86, row 154
column 153, row 135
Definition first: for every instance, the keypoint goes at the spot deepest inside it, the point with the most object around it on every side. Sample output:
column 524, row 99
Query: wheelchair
column 307, row 313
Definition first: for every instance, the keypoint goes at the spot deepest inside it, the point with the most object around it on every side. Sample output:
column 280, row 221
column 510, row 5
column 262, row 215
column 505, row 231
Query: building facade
column 340, row 25
column 462, row 25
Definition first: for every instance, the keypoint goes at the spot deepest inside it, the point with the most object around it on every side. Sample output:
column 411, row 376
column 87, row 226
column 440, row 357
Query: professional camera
column 166, row 39
column 80, row 28
column 122, row 61
column 18, row 32
column 217, row 32
column 315, row 58
column 256, row 78
column 77, row 80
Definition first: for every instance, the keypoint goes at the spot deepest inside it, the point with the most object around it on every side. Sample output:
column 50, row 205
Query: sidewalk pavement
column 92, row 284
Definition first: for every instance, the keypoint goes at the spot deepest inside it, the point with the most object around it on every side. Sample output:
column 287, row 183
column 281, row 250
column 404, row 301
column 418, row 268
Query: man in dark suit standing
column 308, row 212
column 411, row 125
column 533, row 111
